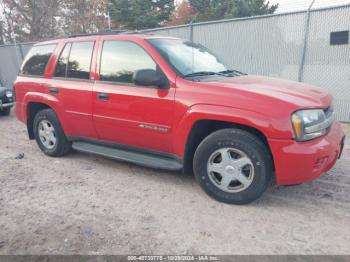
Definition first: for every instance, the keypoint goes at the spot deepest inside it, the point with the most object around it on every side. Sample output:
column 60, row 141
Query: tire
column 47, row 120
column 5, row 112
column 242, row 182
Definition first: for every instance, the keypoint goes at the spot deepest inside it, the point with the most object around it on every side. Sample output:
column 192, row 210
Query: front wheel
column 233, row 166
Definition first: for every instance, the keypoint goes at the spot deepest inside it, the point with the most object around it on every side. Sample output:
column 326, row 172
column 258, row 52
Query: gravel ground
column 83, row 204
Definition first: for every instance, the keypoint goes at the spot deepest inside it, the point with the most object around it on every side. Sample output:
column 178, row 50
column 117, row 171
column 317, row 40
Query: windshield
column 187, row 58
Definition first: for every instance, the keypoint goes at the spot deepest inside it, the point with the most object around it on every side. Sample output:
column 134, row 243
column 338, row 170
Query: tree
column 31, row 19
column 220, row 9
column 255, row 7
column 34, row 20
column 84, row 16
column 4, row 36
column 182, row 15
column 140, row 14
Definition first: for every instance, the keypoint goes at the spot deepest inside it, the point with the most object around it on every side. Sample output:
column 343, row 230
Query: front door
column 127, row 114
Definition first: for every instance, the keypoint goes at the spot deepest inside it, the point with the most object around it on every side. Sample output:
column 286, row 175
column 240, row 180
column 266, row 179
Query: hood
column 300, row 95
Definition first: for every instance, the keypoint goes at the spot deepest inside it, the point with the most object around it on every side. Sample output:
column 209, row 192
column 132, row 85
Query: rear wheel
column 5, row 111
column 233, row 166
column 49, row 134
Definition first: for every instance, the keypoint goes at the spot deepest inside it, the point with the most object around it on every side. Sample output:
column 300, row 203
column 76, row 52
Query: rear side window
column 75, row 60
column 120, row 59
column 61, row 67
column 37, row 59
column 80, row 60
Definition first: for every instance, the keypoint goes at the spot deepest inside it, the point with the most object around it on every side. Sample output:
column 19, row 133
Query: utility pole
column 108, row 16
column 109, row 21
column 306, row 36
column 191, row 26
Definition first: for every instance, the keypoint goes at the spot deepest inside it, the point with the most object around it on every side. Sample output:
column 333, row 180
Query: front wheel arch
column 230, row 184
column 203, row 128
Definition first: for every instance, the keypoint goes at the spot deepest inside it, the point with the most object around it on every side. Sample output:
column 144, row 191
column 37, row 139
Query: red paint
column 265, row 104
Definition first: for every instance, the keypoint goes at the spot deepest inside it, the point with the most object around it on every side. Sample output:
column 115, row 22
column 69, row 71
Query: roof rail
column 111, row 32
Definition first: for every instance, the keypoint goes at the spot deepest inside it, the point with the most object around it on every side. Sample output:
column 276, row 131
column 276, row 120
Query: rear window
column 37, row 59
column 61, row 67
column 75, row 60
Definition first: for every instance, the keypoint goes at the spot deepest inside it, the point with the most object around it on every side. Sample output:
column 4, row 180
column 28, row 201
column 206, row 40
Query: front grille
column 5, row 99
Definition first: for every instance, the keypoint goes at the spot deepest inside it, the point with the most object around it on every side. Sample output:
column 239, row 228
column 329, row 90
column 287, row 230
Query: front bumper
column 6, row 105
column 300, row 162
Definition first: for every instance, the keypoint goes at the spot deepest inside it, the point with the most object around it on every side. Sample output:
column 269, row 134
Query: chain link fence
column 295, row 46
column 11, row 57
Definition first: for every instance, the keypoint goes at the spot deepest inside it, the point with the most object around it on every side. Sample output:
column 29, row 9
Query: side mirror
column 150, row 77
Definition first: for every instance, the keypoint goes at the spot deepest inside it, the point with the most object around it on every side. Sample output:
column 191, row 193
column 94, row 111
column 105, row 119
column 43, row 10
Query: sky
column 295, row 5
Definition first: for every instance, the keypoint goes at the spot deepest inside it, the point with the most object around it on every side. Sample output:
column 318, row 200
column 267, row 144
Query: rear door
column 71, row 84
column 127, row 114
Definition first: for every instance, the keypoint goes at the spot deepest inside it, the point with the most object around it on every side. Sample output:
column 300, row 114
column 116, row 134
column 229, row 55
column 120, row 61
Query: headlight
column 9, row 94
column 310, row 124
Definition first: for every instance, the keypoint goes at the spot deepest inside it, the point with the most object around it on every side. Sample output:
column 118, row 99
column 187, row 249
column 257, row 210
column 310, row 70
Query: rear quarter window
column 37, row 59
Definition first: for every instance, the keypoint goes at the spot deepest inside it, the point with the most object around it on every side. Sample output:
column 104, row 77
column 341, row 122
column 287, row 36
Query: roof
column 116, row 35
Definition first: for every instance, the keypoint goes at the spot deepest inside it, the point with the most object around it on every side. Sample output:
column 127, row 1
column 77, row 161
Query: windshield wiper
column 222, row 73
column 203, row 73
column 233, row 72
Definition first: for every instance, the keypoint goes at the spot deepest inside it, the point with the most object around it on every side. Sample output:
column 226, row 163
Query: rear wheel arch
column 49, row 134
column 32, row 109
column 205, row 127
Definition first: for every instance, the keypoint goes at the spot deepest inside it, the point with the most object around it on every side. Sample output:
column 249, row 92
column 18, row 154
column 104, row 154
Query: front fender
column 271, row 128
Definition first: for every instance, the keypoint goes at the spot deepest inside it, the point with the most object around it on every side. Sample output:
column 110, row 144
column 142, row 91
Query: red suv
column 171, row 104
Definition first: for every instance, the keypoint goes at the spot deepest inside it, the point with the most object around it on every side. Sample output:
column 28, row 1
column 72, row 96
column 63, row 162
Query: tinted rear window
column 37, row 59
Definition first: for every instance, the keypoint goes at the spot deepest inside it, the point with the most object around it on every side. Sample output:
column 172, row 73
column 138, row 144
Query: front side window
column 37, row 59
column 187, row 57
column 120, row 59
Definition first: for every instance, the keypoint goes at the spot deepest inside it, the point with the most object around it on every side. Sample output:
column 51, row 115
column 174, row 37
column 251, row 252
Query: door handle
column 103, row 96
column 54, row 90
